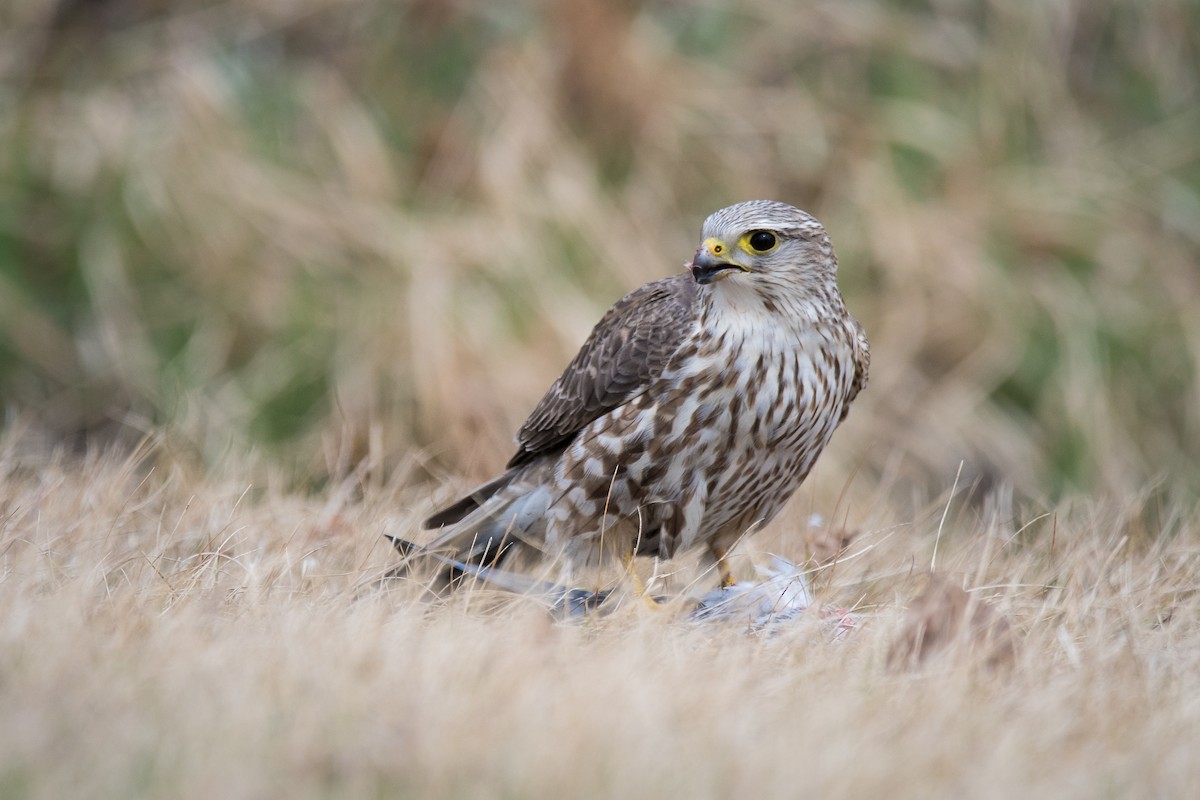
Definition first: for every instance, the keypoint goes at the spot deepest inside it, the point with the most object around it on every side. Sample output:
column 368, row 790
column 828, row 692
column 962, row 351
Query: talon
column 639, row 585
column 727, row 578
column 723, row 568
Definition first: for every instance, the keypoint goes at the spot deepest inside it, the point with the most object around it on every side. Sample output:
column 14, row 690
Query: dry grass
column 325, row 255
column 164, row 634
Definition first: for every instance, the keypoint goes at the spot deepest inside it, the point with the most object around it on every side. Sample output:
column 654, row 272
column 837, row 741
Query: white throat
column 736, row 306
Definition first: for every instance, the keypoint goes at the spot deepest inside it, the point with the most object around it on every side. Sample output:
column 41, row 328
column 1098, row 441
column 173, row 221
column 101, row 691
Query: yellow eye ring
column 759, row 242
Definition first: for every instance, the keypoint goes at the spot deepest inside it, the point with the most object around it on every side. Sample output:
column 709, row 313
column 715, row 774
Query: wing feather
column 627, row 349
column 862, row 364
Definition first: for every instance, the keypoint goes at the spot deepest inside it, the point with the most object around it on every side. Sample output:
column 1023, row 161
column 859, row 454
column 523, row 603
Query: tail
column 454, row 513
column 495, row 521
column 561, row 601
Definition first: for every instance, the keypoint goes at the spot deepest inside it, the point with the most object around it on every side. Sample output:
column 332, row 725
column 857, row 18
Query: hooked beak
column 707, row 268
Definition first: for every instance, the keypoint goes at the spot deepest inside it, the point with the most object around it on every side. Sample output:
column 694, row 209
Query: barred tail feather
column 500, row 518
column 456, row 512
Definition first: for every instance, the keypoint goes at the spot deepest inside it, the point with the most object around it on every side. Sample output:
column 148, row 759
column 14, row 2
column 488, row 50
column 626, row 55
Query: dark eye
column 762, row 241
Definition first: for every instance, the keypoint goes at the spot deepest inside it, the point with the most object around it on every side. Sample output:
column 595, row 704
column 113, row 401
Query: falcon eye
column 762, row 241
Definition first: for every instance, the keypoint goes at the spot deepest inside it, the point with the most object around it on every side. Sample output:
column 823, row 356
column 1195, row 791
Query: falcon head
column 763, row 241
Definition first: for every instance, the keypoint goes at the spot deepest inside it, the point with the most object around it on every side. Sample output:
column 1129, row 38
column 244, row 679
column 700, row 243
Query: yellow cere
column 716, row 246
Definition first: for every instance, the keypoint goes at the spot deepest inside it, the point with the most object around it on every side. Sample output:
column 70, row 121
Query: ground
column 168, row 635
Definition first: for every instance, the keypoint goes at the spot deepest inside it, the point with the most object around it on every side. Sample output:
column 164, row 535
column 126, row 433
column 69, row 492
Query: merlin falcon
column 693, row 411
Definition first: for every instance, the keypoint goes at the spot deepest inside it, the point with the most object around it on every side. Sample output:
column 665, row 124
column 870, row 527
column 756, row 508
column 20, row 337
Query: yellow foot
column 639, row 585
column 723, row 568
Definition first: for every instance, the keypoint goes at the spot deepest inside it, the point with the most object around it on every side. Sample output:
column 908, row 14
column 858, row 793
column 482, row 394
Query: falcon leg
column 639, row 585
column 723, row 569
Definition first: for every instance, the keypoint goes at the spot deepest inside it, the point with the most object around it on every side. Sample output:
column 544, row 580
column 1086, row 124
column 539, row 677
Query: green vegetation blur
column 335, row 231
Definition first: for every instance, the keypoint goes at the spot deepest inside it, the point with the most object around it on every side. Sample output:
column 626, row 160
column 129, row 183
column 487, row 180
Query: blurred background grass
column 340, row 233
